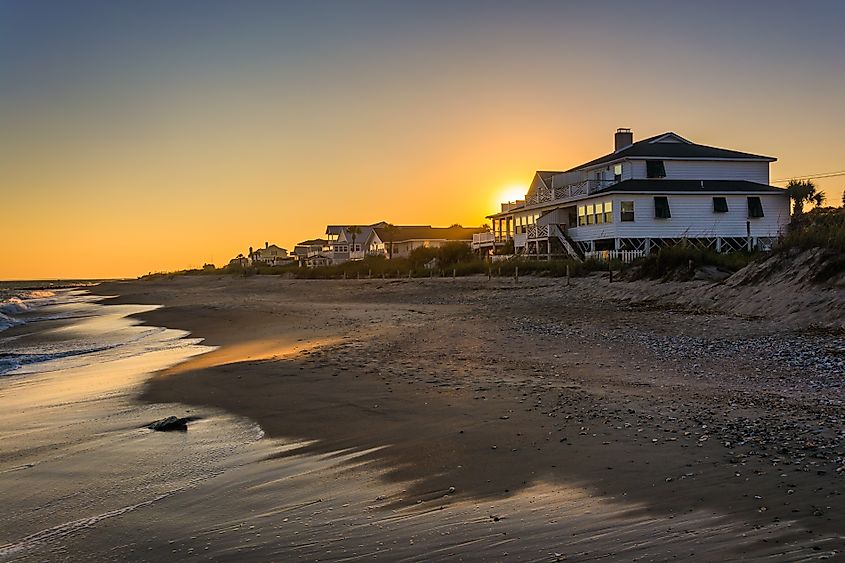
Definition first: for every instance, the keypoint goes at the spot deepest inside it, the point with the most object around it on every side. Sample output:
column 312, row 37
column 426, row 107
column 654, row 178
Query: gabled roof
column 670, row 145
column 689, row 186
column 426, row 232
column 541, row 177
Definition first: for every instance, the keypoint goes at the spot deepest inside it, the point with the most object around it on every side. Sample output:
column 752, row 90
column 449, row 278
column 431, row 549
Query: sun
column 513, row 192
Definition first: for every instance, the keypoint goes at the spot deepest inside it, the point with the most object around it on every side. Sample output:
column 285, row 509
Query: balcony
column 569, row 191
column 481, row 240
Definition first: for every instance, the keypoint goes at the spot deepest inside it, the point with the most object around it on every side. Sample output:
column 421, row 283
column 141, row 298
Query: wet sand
column 488, row 419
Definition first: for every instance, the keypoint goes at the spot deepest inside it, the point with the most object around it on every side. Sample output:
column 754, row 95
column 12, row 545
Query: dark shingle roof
column 648, row 149
column 662, row 185
column 402, row 233
column 312, row 242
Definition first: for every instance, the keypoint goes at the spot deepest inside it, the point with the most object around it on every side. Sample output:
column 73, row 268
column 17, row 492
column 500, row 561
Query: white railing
column 569, row 191
column 626, row 256
column 536, row 232
column 483, row 238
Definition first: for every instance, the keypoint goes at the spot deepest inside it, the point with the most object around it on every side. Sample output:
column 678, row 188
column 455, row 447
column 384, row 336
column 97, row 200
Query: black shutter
column 755, row 207
column 661, row 207
column 720, row 205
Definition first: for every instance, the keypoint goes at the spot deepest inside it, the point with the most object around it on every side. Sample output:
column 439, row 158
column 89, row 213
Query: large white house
column 644, row 195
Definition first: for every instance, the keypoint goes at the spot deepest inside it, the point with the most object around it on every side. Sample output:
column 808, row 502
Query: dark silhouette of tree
column 353, row 231
column 801, row 192
column 390, row 230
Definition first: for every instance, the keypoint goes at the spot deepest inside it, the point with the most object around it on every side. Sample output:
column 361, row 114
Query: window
column 582, row 215
column 720, row 205
column 755, row 207
column 661, row 207
column 608, row 212
column 617, row 173
column 357, row 248
column 626, row 211
column 599, row 213
column 655, row 169
column 590, row 217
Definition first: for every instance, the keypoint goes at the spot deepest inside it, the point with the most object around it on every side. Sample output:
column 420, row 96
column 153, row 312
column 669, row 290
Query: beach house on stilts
column 644, row 195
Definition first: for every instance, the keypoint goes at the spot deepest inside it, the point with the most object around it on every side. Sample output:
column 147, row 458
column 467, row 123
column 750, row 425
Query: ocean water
column 74, row 450
column 33, row 302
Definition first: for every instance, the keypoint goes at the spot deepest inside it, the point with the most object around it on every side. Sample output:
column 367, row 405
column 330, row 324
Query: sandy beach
column 409, row 419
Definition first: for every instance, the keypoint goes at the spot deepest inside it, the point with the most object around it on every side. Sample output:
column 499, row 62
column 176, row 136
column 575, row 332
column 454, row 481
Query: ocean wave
column 10, row 361
column 15, row 303
column 39, row 294
column 7, row 321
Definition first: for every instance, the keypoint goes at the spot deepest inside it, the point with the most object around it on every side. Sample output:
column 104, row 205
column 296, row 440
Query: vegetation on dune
column 823, row 227
column 682, row 261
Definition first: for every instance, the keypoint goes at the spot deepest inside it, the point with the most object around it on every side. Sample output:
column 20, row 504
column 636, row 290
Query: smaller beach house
column 354, row 242
column 312, row 252
column 270, row 255
column 660, row 191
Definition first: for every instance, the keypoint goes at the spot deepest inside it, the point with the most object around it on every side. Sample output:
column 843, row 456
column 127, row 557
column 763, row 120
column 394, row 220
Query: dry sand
column 521, row 420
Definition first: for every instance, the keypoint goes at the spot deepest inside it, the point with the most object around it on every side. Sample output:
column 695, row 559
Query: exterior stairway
column 565, row 242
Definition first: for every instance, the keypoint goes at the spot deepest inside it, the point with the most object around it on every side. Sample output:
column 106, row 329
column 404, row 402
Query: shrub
column 822, row 227
column 677, row 259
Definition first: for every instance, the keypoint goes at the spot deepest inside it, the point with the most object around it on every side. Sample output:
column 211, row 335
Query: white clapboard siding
column 599, row 230
column 693, row 216
column 753, row 171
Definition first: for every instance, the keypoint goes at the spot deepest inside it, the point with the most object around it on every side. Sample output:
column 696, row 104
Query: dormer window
column 655, row 169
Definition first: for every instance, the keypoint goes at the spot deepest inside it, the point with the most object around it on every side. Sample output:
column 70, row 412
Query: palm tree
column 801, row 192
column 391, row 230
column 354, row 231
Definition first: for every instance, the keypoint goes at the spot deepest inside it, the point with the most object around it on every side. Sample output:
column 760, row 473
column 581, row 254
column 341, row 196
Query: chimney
column 266, row 245
column 624, row 137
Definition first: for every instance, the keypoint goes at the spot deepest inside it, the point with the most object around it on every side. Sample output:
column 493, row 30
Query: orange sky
column 125, row 153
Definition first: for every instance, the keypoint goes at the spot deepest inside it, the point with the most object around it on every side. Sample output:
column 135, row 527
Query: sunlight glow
column 512, row 193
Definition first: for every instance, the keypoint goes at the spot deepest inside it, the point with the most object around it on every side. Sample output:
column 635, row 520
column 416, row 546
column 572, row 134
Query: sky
column 152, row 136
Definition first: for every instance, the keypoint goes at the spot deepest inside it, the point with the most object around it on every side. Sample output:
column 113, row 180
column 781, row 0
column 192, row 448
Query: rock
column 171, row 423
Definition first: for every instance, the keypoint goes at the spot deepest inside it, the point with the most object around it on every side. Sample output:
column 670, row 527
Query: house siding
column 693, row 216
column 753, row 171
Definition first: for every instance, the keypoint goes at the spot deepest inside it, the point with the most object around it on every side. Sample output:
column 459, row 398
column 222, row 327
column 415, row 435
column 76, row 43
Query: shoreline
column 404, row 377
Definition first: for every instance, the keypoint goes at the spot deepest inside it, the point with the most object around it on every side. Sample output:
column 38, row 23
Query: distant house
column 308, row 248
column 240, row 260
column 354, row 242
column 660, row 191
column 397, row 241
column 349, row 242
column 271, row 255
column 314, row 260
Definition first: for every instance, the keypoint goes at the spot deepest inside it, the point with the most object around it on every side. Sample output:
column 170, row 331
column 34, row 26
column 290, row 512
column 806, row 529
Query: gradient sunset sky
column 148, row 136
